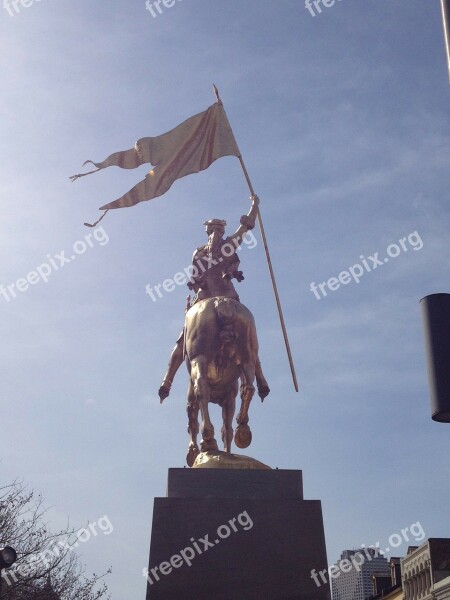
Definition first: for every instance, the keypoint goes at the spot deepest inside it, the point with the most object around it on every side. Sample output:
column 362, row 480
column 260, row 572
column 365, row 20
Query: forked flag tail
column 189, row 148
column 269, row 262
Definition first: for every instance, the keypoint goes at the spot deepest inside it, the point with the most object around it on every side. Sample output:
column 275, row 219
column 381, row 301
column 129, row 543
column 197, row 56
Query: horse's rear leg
column 243, row 435
column 192, row 411
column 228, row 409
column 199, row 372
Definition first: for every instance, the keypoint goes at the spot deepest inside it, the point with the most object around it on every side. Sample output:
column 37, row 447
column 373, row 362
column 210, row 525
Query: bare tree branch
column 46, row 566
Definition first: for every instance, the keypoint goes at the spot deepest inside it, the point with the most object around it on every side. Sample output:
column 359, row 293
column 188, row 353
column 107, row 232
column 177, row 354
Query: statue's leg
column 176, row 358
column 243, row 435
column 199, row 375
column 192, row 411
column 263, row 388
column 228, row 408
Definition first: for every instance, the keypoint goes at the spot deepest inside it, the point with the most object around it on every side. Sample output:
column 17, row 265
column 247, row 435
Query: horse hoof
column 263, row 391
column 192, row 454
column 209, row 445
column 163, row 392
column 243, row 436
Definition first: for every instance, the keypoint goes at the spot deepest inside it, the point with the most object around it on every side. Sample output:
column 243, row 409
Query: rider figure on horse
column 214, row 265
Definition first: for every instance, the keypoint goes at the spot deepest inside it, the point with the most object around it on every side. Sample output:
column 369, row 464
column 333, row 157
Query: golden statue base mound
column 224, row 460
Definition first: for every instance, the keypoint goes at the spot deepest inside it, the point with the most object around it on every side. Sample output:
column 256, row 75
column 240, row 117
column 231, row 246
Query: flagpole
column 445, row 6
column 269, row 262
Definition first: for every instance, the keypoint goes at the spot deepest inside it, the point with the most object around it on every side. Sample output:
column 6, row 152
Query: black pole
column 436, row 320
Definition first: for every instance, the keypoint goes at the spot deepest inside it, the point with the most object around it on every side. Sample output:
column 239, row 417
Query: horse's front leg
column 263, row 388
column 192, row 411
column 199, row 375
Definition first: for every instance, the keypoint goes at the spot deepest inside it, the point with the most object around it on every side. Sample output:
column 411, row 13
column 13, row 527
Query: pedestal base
column 236, row 534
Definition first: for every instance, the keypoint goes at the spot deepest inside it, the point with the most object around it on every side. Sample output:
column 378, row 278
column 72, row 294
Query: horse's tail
column 226, row 312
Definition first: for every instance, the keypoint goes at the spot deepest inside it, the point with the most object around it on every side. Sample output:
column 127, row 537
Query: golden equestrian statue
column 219, row 342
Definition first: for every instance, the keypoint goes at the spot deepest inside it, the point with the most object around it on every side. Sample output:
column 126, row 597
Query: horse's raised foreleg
column 199, row 376
column 263, row 388
column 228, row 409
column 192, row 411
column 176, row 360
column 243, row 435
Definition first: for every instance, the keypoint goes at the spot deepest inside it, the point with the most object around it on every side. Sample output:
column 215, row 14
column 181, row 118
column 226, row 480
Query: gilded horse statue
column 219, row 342
column 221, row 349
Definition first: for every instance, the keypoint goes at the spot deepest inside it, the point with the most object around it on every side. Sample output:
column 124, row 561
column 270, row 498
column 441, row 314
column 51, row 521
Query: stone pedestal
column 236, row 534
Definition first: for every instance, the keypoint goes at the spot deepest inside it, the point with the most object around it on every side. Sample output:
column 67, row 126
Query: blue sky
column 343, row 121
